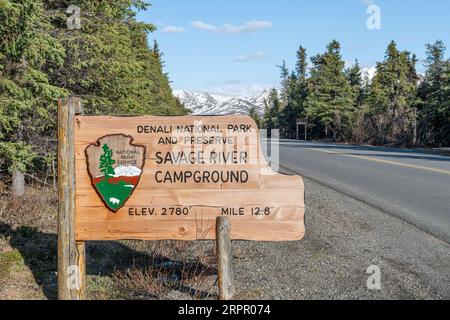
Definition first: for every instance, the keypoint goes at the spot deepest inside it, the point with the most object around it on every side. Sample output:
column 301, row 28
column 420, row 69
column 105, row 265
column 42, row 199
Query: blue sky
column 232, row 47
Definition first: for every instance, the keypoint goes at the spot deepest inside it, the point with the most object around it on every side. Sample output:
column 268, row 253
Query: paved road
column 412, row 185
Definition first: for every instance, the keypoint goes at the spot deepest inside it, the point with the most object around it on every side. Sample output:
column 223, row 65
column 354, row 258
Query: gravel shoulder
column 344, row 237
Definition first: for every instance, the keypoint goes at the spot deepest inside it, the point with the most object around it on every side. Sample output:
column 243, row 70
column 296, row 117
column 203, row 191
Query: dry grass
column 37, row 209
column 162, row 270
column 115, row 270
column 190, row 279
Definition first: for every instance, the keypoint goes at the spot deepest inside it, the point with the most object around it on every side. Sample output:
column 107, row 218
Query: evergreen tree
column 302, row 64
column 434, row 98
column 293, row 95
column 285, row 79
column 392, row 93
column 272, row 110
column 28, row 98
column 302, row 84
column 359, row 116
column 330, row 101
column 289, row 113
column 255, row 116
column 381, row 110
column 108, row 63
column 355, row 79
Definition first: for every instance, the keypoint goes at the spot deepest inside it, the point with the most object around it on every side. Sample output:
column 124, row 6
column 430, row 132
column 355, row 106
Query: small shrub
column 155, row 277
column 36, row 209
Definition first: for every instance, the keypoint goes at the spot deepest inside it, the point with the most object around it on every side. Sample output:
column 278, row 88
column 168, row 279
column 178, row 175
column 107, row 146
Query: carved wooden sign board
column 169, row 178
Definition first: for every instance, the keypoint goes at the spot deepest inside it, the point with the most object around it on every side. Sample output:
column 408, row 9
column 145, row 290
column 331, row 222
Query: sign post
column 302, row 123
column 224, row 259
column 71, row 253
column 167, row 178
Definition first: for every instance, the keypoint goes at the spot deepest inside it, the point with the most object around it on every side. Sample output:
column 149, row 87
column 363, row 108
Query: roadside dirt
column 344, row 238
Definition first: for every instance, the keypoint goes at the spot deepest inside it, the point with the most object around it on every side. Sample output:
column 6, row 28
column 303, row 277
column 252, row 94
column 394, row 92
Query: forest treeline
column 108, row 63
column 397, row 106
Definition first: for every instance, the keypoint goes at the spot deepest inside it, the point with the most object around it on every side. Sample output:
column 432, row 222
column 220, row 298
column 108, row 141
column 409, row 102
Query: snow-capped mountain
column 198, row 103
column 368, row 73
column 202, row 103
column 124, row 171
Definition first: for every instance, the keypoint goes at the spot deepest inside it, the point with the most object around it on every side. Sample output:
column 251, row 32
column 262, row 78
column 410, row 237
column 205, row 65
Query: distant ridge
column 206, row 104
column 203, row 103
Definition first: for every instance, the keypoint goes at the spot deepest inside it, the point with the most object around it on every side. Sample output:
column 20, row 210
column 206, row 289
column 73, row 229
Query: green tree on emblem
column 106, row 162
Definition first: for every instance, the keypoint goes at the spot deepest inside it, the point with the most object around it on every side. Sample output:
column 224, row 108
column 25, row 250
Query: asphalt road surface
column 410, row 184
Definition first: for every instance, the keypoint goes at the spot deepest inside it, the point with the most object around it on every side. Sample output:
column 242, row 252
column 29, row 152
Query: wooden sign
column 169, row 178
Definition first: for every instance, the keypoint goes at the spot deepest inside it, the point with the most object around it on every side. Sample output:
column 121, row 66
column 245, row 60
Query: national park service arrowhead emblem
column 115, row 166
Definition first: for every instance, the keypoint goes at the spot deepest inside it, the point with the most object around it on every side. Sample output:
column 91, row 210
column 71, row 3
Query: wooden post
column 224, row 259
column 71, row 255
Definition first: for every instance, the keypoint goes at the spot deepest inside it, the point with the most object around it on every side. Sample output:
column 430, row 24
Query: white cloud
column 250, row 57
column 250, row 26
column 203, row 26
column 173, row 29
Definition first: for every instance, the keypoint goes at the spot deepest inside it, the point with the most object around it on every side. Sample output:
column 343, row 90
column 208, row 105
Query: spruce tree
column 285, row 79
column 28, row 98
column 392, row 95
column 302, row 84
column 302, row 64
column 272, row 110
column 293, row 95
column 330, row 101
column 286, row 95
column 434, row 98
column 108, row 63
column 359, row 115
column 290, row 111
column 253, row 113
column 355, row 79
